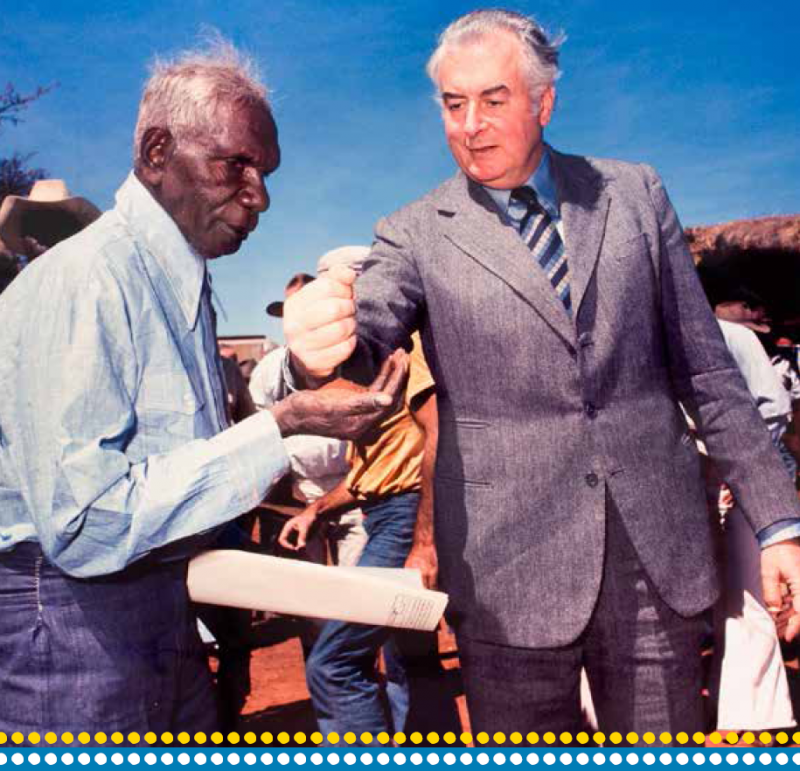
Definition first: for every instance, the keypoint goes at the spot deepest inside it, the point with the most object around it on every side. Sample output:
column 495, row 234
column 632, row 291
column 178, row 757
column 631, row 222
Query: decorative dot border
column 395, row 758
column 432, row 739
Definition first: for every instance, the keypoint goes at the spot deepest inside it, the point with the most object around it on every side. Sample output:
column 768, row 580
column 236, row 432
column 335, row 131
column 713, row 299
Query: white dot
column 333, row 758
column 284, row 758
column 250, row 758
column 167, row 758
column 632, row 758
column 200, row 758
column 499, row 759
column 699, row 758
column 266, row 758
column 765, row 758
column 416, row 758
column 117, row 758
column 233, row 758
column 184, row 758
column 599, row 758
column 134, row 758
column 616, row 758
column 50, row 758
column 683, row 758
column 733, row 758
column 300, row 759
column 665, row 759
column 433, row 758
column 783, row 759
column 400, row 758
column 450, row 758
column 350, row 758
column 217, row 758
column 34, row 758
column 317, row 758
column 649, row 758
column 549, row 758
column 749, row 758
column 383, row 759
column 466, row 759
column 2, row 760
column 582, row 758
column 150, row 758
column 18, row 758
column 483, row 758
column 516, row 758
column 715, row 758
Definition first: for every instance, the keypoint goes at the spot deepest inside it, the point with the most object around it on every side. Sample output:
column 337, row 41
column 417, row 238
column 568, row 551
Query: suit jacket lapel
column 584, row 212
column 470, row 220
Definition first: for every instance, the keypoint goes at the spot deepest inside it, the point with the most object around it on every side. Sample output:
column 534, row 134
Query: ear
column 156, row 149
column 546, row 105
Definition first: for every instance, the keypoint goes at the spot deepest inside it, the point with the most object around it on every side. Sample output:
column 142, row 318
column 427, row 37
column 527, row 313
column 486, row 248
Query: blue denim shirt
column 113, row 433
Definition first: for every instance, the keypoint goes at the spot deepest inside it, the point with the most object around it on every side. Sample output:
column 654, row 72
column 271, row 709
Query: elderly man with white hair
column 118, row 461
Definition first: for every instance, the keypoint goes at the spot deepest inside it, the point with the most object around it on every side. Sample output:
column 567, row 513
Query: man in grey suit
column 564, row 324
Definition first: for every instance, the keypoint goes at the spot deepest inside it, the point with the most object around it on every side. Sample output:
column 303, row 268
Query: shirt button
column 590, row 410
column 584, row 339
column 592, row 479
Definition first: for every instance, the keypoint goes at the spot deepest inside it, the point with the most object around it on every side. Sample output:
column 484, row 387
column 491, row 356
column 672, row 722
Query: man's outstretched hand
column 344, row 413
column 780, row 576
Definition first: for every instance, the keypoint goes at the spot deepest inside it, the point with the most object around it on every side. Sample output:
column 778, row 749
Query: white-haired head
column 538, row 49
column 184, row 93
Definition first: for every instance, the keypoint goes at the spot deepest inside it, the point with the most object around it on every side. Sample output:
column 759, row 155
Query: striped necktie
column 539, row 232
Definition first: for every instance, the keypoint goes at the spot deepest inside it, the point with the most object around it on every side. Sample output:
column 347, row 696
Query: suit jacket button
column 592, row 479
column 591, row 410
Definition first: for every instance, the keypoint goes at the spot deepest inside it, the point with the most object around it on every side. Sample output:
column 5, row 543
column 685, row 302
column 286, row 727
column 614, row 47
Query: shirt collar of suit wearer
column 157, row 232
column 543, row 184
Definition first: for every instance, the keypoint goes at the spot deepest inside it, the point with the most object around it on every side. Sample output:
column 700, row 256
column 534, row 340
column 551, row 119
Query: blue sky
column 706, row 91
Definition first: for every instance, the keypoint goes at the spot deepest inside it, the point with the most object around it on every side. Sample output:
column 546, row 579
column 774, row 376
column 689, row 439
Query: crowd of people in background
column 524, row 390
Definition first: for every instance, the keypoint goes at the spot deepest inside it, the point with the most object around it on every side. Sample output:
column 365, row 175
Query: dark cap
column 297, row 281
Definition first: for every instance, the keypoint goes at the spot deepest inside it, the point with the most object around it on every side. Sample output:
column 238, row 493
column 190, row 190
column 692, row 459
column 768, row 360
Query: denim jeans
column 117, row 653
column 340, row 670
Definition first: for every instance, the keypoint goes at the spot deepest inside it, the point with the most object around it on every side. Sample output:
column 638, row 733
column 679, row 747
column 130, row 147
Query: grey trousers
column 642, row 660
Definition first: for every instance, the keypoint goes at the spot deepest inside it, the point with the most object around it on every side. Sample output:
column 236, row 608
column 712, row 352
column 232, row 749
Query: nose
column 254, row 193
column 473, row 122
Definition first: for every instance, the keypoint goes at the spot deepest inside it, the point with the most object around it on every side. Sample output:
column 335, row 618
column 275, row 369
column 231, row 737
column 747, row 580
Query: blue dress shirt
column 113, row 431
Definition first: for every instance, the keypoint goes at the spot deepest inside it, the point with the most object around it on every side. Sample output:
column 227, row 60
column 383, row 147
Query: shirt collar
column 154, row 229
column 543, row 185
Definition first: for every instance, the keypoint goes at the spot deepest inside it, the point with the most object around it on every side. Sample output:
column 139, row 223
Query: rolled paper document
column 378, row 596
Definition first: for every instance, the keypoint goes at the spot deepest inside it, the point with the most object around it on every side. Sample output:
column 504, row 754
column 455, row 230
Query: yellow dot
column 200, row 738
column 749, row 737
column 384, row 737
column 699, row 738
column 599, row 737
column 796, row 738
column 84, row 737
column 100, row 738
column 566, row 738
column 133, row 738
column 68, row 738
column 118, row 737
column 516, row 737
column 665, row 738
column 167, row 737
column 764, row 738
column 250, row 737
column 582, row 737
column 466, row 738
column 616, row 737
column 433, row 738
column 217, row 737
column 499, row 738
column 715, row 737
column 782, row 737
column 3, row 738
column 317, row 737
column 649, row 737
column 483, row 737
column 49, row 737
column 150, row 737
column 333, row 737
column 17, row 737
column 682, row 737
column 34, row 738
column 233, row 737
column 366, row 737
column 632, row 738
column 732, row 738
column 549, row 737
column 450, row 737
column 399, row 737
column 350, row 737
column 266, row 738
column 416, row 737
column 284, row 737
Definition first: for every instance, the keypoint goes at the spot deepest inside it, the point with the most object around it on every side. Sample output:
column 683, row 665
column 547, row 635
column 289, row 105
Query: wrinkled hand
column 423, row 557
column 319, row 323
column 780, row 577
column 300, row 524
column 344, row 413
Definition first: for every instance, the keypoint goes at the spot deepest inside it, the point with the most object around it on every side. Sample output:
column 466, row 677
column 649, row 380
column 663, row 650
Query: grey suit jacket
column 542, row 416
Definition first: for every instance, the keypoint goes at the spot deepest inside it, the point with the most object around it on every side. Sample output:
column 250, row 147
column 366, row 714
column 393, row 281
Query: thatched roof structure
column 781, row 233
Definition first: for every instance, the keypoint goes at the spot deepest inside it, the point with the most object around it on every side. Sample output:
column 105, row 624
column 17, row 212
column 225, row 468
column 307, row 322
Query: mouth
column 240, row 232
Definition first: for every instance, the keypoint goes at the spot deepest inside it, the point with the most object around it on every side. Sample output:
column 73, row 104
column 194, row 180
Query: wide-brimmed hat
column 49, row 214
column 297, row 281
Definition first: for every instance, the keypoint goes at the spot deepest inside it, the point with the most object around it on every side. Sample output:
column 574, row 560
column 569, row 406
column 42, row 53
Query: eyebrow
column 486, row 92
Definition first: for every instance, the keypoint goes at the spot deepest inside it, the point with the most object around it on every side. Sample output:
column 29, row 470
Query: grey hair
column 184, row 93
column 539, row 50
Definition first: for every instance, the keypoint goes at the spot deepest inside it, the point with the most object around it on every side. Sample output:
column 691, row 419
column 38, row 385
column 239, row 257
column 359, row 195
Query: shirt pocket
column 169, row 410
